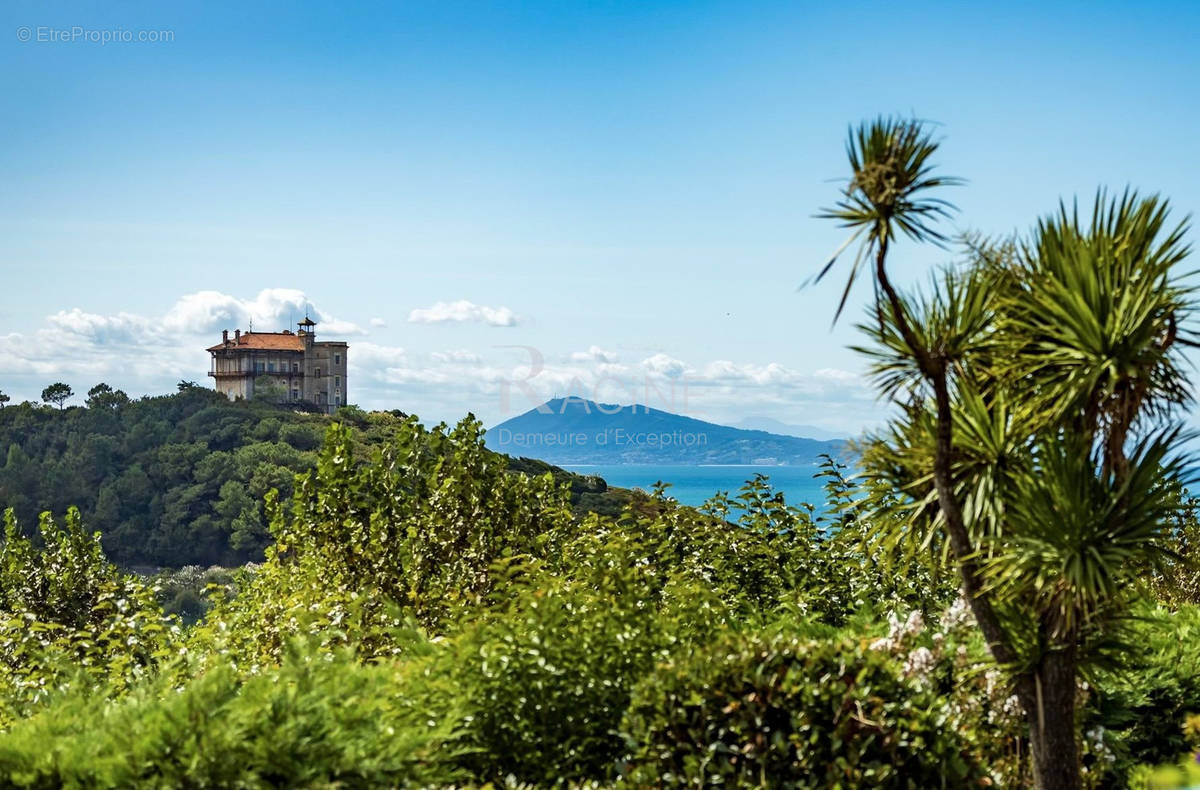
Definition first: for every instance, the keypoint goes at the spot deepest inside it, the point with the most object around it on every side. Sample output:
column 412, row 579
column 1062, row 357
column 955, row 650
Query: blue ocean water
column 691, row 485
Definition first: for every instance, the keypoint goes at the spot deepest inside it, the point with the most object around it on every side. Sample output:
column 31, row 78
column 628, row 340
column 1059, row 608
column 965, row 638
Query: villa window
column 271, row 367
column 337, row 381
column 295, row 367
column 337, row 359
column 318, row 372
column 258, row 367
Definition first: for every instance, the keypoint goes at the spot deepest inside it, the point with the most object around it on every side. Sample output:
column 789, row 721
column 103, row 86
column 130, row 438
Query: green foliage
column 417, row 529
column 890, row 159
column 57, row 393
column 1144, row 701
column 64, row 607
column 666, row 646
column 185, row 592
column 1035, row 442
column 430, row 614
column 548, row 674
column 319, row 720
column 158, row 477
column 1068, row 508
column 792, row 712
column 1095, row 311
column 102, row 396
column 1175, row 580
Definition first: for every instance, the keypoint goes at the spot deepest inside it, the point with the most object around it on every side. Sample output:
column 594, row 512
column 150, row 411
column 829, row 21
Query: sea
column 692, row 485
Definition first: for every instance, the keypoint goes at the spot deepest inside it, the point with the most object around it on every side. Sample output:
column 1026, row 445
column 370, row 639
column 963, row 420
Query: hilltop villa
column 292, row 365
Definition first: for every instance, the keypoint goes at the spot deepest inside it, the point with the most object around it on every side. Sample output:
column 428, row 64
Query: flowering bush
column 794, row 712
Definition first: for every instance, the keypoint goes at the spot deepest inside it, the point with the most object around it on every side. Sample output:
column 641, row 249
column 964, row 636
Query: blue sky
column 623, row 191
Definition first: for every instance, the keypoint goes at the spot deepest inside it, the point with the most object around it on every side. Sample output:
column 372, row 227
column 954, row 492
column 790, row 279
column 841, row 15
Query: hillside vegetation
column 180, row 479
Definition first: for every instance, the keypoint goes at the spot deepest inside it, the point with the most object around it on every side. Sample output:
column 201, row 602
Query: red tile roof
column 263, row 341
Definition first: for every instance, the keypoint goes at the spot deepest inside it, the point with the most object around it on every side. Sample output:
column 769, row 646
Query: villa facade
column 287, row 367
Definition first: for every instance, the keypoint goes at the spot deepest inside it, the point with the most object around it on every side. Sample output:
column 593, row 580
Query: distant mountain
column 782, row 428
column 579, row 431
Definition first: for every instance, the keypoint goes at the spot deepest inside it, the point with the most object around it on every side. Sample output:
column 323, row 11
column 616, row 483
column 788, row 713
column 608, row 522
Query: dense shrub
column 318, row 720
column 548, row 677
column 1177, row 581
column 792, row 712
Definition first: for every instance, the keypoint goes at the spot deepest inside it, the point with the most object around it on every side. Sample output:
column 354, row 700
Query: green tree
column 1021, row 381
column 4, row 399
column 102, row 396
column 57, row 393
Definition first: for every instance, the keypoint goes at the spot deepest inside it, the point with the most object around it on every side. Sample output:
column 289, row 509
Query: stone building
column 288, row 367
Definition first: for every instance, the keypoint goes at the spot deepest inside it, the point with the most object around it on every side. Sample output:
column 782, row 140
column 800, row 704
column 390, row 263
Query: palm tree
column 1042, row 360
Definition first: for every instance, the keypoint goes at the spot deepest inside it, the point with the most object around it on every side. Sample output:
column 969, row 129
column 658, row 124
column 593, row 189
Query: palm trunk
column 1049, row 701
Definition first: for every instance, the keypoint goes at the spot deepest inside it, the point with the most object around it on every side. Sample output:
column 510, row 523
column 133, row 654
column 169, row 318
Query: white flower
column 958, row 615
column 919, row 662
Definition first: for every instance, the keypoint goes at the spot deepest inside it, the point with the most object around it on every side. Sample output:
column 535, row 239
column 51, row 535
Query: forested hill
column 180, row 479
column 579, row 431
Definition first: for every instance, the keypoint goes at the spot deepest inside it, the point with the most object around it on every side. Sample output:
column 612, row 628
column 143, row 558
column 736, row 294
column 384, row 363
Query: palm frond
column 1100, row 315
column 1079, row 535
column 888, row 191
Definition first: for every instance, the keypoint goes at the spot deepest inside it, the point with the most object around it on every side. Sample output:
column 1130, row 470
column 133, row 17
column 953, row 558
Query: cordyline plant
column 1034, row 441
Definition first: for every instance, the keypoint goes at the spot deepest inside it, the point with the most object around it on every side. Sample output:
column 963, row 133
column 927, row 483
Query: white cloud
column 663, row 365
column 369, row 355
column 463, row 311
column 377, row 323
column 272, row 310
column 594, row 354
column 120, row 329
column 836, row 375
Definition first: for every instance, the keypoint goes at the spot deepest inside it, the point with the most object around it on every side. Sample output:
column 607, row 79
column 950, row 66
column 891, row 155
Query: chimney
column 237, row 336
column 225, row 336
